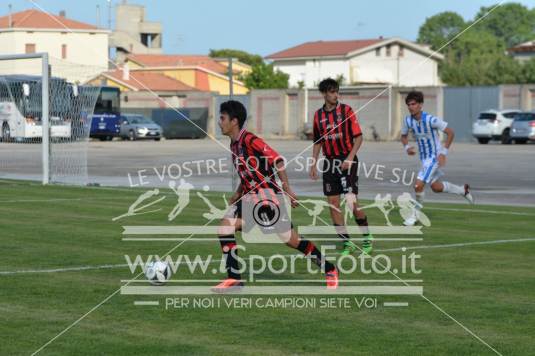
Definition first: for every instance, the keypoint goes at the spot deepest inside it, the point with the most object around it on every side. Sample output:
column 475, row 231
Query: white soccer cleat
column 467, row 195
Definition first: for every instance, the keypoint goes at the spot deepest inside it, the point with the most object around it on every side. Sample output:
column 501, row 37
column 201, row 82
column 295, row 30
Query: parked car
column 523, row 127
column 135, row 126
column 494, row 125
column 104, row 127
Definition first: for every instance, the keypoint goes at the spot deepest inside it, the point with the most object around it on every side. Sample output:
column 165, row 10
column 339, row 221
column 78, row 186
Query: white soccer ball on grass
column 158, row 272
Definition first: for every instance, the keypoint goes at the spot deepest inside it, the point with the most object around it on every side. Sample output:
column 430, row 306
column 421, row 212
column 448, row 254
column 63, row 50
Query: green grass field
column 488, row 288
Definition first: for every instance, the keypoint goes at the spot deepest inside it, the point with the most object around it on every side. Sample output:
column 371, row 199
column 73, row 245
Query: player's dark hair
column 235, row 110
column 328, row 85
column 417, row 96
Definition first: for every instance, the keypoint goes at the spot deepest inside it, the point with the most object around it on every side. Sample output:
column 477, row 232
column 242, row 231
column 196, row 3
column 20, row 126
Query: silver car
column 523, row 127
column 494, row 125
column 135, row 126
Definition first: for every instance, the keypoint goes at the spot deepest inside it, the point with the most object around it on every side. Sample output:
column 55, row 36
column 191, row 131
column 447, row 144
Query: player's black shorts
column 336, row 181
column 271, row 217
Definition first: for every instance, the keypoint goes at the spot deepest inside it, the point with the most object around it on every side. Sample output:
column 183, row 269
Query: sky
column 266, row 27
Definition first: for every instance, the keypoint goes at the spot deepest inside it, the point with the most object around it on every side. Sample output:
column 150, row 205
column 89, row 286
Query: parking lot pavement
column 498, row 174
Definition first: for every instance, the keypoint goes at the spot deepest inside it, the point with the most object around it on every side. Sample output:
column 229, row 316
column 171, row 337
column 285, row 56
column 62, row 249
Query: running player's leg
column 310, row 250
column 447, row 187
column 332, row 188
column 361, row 219
column 226, row 232
column 419, row 194
column 337, row 216
column 427, row 172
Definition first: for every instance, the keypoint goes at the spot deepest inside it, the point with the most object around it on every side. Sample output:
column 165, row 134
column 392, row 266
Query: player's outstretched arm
column 281, row 172
column 357, row 142
column 237, row 195
column 450, row 134
column 313, row 171
column 405, row 142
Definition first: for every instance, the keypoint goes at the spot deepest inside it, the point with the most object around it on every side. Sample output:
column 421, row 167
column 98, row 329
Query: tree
column 528, row 72
column 263, row 76
column 478, row 58
column 242, row 56
column 438, row 29
column 513, row 23
column 340, row 79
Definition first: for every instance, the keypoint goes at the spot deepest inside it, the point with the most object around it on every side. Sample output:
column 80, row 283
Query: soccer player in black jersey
column 337, row 133
column 257, row 163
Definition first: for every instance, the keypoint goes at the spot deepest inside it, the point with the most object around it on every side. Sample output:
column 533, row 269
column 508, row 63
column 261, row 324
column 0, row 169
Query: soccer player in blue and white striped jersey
column 425, row 128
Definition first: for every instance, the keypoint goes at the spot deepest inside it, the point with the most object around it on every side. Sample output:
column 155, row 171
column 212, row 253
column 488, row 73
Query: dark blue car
column 105, row 126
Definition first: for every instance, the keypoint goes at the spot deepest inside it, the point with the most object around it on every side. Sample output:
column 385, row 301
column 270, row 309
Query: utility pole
column 109, row 15
column 230, row 78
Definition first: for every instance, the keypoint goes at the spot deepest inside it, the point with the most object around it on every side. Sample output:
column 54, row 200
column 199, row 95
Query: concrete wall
column 282, row 113
column 179, row 99
column 463, row 104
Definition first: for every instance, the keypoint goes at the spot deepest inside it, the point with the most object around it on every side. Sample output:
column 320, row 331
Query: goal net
column 31, row 96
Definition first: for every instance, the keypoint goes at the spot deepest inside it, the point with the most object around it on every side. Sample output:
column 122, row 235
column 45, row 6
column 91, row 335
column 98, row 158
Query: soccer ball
column 158, row 272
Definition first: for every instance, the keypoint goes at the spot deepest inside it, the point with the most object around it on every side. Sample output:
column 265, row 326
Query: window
column 487, row 116
column 30, row 47
column 378, row 52
column 525, row 116
column 401, row 51
column 510, row 115
column 388, row 50
column 63, row 51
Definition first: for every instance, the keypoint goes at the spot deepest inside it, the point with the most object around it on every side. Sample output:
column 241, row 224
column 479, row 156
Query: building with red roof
column 77, row 50
column 367, row 61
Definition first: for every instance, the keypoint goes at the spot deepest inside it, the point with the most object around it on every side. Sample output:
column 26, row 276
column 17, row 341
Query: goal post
column 44, row 102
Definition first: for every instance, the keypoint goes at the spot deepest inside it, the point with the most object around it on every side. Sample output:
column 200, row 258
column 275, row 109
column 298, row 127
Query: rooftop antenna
column 10, row 20
column 109, row 14
column 98, row 15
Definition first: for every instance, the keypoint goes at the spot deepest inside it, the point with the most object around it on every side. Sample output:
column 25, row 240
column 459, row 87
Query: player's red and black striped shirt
column 255, row 163
column 335, row 130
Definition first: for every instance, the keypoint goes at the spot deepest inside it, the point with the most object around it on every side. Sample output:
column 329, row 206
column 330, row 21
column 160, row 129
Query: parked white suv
column 494, row 125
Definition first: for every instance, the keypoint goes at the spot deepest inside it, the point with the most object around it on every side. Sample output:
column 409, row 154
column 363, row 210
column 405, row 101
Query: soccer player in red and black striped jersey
column 337, row 133
column 257, row 165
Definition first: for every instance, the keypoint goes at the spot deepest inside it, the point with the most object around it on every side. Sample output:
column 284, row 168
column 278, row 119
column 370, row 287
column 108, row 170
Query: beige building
column 201, row 72
column 77, row 50
column 133, row 33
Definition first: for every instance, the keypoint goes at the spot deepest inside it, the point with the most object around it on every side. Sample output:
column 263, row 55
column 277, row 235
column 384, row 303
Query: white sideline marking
column 84, row 268
column 43, row 200
column 67, row 269
column 396, row 304
column 170, row 194
column 481, row 211
column 426, row 247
